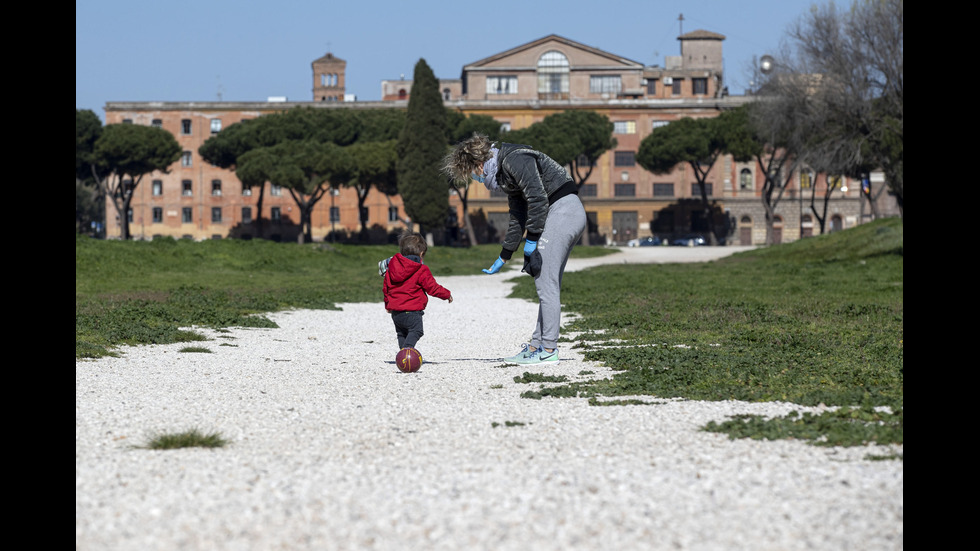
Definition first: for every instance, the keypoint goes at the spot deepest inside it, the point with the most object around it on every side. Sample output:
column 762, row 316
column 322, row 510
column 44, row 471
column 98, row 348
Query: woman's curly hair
column 466, row 157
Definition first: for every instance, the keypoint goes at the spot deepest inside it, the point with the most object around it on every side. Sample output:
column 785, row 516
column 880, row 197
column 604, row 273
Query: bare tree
column 841, row 72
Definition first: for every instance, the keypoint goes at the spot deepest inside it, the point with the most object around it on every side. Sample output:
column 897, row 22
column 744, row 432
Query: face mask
column 478, row 178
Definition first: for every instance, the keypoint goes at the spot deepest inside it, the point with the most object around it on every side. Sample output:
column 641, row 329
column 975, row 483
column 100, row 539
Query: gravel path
column 332, row 448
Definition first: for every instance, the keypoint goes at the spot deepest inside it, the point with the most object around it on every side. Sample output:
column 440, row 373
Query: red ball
column 408, row 360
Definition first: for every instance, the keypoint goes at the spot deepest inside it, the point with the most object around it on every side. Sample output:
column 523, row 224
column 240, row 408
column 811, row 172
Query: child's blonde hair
column 466, row 157
column 412, row 243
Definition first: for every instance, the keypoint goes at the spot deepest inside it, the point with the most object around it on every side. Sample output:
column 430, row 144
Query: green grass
column 187, row 439
column 818, row 321
column 196, row 349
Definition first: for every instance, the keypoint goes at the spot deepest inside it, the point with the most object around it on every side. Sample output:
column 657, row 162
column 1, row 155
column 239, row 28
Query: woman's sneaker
column 522, row 355
column 540, row 356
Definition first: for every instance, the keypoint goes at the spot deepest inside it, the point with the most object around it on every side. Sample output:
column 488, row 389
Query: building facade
column 517, row 87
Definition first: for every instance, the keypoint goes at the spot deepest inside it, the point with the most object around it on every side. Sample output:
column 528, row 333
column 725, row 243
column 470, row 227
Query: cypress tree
column 421, row 148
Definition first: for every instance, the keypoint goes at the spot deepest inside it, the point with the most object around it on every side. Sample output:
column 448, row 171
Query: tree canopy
column 123, row 154
column 696, row 143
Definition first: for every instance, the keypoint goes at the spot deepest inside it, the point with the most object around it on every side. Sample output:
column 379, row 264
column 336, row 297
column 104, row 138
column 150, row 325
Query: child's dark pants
column 408, row 327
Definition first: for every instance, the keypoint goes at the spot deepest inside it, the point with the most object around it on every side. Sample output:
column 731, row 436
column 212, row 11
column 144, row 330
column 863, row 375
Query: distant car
column 644, row 242
column 692, row 240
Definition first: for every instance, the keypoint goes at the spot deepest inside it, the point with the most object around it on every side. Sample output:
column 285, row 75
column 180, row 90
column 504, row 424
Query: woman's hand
column 497, row 265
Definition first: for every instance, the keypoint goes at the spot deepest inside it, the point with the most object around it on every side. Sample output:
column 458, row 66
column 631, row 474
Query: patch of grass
column 196, row 349
column 539, row 378
column 842, row 427
column 817, row 321
column 188, row 439
column 495, row 424
column 631, row 402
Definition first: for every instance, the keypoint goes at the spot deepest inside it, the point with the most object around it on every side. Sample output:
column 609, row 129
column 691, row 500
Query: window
column 275, row 214
column 335, row 215
column 246, row 190
column 446, row 94
column 659, row 124
column 583, row 161
column 186, row 215
column 652, row 87
column 215, row 214
column 745, row 179
column 392, row 214
column 699, row 86
column 185, row 126
column 696, row 189
column 675, row 88
column 624, row 127
column 186, row 188
column 607, row 84
column 588, row 190
column 157, row 123
column 157, row 187
column 275, row 190
column 624, row 158
column 186, row 159
column 157, row 215
column 216, row 187
column 625, row 190
column 806, row 179
column 663, row 190
column 215, row 126
column 127, row 121
column 553, row 75
column 246, row 215
column 501, row 84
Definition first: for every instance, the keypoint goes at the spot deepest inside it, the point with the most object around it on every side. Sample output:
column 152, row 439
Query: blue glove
column 529, row 247
column 497, row 265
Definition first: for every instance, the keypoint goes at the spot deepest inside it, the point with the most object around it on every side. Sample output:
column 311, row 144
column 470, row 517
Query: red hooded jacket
column 408, row 284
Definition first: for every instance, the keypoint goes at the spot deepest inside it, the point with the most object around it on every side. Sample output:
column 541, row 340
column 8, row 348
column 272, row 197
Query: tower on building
column 328, row 78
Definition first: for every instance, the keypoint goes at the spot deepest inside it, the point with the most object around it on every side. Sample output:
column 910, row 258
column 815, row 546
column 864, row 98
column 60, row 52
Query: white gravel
column 333, row 448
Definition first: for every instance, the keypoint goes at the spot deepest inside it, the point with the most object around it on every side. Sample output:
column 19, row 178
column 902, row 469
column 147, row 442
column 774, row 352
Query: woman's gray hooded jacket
column 532, row 181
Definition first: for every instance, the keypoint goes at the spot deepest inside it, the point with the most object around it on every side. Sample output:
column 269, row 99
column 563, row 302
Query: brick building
column 517, row 87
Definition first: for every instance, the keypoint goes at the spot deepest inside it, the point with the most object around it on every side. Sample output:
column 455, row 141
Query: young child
column 408, row 284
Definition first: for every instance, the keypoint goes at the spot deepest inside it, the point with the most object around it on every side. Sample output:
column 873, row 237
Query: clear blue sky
column 244, row 50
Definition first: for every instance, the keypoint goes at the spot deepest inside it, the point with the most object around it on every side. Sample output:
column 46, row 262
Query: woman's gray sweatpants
column 562, row 229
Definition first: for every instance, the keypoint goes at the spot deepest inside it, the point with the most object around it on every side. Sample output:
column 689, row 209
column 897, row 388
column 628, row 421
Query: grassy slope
column 818, row 321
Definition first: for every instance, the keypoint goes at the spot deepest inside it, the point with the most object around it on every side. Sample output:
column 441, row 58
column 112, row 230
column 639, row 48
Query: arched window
column 445, row 94
column 402, row 94
column 745, row 179
column 553, row 75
